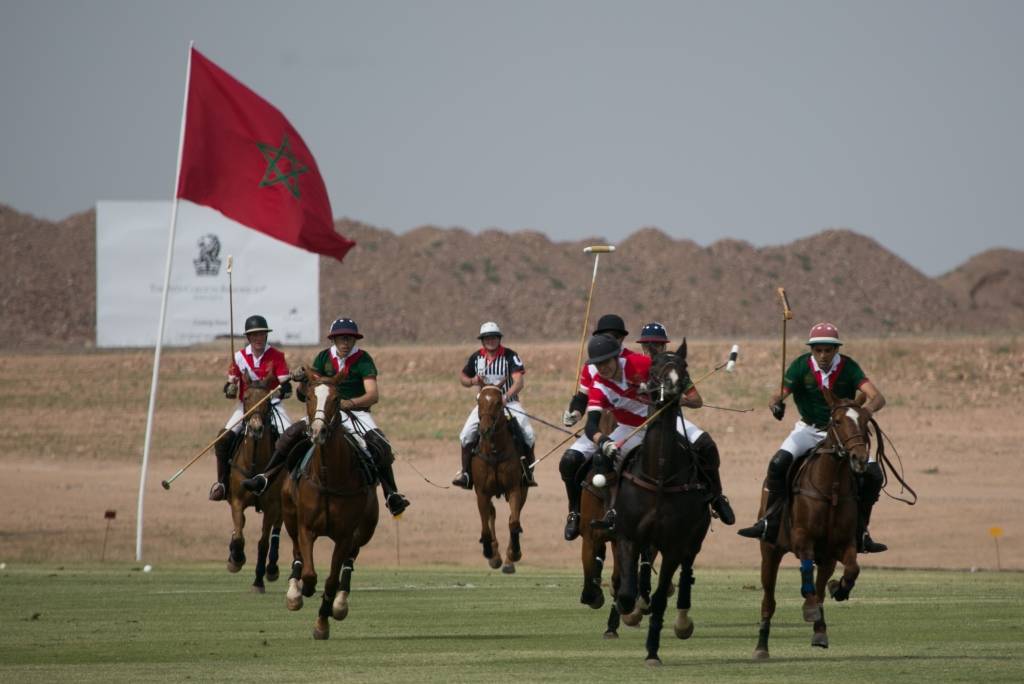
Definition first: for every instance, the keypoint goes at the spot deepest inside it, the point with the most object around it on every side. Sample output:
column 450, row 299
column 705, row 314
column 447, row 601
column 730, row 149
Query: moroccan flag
column 241, row 157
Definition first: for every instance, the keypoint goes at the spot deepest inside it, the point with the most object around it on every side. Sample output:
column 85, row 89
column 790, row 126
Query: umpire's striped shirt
column 496, row 370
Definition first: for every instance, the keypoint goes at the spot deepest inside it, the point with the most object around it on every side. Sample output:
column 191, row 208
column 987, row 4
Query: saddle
column 367, row 471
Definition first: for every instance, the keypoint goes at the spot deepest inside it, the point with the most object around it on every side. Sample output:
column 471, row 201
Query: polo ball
column 600, row 480
column 147, row 568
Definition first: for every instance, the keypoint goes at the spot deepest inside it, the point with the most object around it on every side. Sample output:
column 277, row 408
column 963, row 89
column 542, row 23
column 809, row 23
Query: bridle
column 842, row 449
column 662, row 368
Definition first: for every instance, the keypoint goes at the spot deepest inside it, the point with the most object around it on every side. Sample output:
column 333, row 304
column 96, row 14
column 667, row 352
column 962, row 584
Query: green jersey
column 804, row 380
column 355, row 367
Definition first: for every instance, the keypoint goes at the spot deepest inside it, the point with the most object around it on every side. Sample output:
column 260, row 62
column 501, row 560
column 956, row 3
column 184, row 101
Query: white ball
column 147, row 568
column 600, row 480
column 3, row 566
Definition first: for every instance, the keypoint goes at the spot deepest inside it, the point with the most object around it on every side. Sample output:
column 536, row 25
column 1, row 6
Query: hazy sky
column 763, row 121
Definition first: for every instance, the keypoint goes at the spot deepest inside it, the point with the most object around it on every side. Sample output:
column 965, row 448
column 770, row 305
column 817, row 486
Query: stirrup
column 257, row 484
column 605, row 523
column 572, row 526
column 396, row 504
column 218, row 492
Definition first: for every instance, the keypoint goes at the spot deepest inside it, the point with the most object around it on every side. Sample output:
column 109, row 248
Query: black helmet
column 611, row 323
column 254, row 324
column 654, row 332
column 344, row 326
column 601, row 348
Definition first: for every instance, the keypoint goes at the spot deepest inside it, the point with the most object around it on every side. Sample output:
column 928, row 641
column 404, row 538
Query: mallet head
column 165, row 484
column 598, row 249
column 733, row 355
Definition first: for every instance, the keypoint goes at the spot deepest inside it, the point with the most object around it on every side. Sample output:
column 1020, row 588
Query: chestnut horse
column 497, row 471
column 819, row 523
column 251, row 456
column 335, row 497
column 662, row 506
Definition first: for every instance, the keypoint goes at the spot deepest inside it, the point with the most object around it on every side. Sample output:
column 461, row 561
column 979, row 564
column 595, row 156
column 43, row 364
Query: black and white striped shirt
column 495, row 371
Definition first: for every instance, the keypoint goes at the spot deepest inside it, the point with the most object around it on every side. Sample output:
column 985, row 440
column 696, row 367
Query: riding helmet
column 344, row 326
column 254, row 324
column 601, row 348
column 611, row 323
column 654, row 332
column 824, row 333
column 489, row 329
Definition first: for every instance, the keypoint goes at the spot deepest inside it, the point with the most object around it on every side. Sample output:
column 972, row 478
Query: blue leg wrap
column 806, row 577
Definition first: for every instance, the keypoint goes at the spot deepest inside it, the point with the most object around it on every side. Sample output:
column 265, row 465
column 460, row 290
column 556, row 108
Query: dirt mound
column 437, row 285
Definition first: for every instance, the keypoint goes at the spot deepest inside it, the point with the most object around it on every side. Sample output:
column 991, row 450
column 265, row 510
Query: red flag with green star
column 241, row 157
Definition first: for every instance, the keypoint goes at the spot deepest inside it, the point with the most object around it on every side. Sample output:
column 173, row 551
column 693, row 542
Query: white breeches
column 587, row 448
column 278, row 414
column 805, row 437
column 685, row 427
column 471, row 429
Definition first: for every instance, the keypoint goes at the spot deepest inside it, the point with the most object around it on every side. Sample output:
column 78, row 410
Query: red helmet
column 824, row 333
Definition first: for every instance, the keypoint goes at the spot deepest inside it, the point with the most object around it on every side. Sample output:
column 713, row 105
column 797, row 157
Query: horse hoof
column 233, row 567
column 611, row 634
column 495, row 563
column 685, row 630
column 812, row 611
column 308, row 586
column 820, row 640
column 643, row 605
column 760, row 654
column 598, row 601
column 508, row 568
column 632, row 619
column 653, row 662
column 339, row 609
column 293, row 599
column 273, row 573
column 321, row 633
column 257, row 589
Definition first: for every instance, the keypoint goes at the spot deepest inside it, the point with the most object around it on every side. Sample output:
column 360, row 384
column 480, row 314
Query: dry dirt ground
column 73, row 433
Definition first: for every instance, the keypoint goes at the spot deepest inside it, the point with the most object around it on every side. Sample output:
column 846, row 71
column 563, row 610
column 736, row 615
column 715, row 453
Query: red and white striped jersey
column 251, row 369
column 621, row 397
column 589, row 371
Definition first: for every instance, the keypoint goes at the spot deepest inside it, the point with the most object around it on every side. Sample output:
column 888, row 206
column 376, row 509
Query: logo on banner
column 208, row 261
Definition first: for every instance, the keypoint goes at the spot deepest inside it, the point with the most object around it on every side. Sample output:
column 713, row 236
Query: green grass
column 196, row 622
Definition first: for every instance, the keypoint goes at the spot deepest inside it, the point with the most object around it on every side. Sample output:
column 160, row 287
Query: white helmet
column 488, row 329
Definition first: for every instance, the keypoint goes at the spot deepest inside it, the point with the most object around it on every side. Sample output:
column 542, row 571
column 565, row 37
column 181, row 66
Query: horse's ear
column 681, row 352
column 830, row 398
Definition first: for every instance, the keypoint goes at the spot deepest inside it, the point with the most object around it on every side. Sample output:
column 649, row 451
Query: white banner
column 271, row 278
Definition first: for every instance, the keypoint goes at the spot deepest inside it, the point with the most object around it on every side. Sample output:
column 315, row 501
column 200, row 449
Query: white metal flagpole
column 163, row 316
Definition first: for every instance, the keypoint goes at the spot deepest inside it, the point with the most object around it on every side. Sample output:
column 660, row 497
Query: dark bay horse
column 662, row 506
column 497, row 471
column 819, row 523
column 335, row 497
column 250, row 457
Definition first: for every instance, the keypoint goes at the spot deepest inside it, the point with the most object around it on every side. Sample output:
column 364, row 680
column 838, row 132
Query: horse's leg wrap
column 807, row 577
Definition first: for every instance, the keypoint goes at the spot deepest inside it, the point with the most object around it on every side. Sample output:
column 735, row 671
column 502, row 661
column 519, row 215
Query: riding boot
column 870, row 488
column 383, row 459
column 767, row 528
column 573, row 491
column 707, row 451
column 465, row 477
column 527, row 460
column 285, row 453
column 223, row 449
column 608, row 521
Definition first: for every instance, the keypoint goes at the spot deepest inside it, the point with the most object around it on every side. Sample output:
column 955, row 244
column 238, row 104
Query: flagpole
column 163, row 316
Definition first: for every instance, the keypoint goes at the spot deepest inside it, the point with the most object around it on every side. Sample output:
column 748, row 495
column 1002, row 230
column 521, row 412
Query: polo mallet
column 573, row 435
column 540, row 420
column 787, row 314
column 231, row 311
column 597, row 251
column 166, row 484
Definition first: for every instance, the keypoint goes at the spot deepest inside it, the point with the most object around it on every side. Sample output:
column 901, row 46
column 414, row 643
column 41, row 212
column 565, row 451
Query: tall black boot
column 570, row 467
column 870, row 488
column 707, row 451
column 767, row 528
column 527, row 460
column 286, row 453
column 384, row 459
column 465, row 477
column 222, row 449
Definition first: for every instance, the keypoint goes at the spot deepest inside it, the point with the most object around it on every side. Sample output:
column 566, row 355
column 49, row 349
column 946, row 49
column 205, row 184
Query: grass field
column 195, row 622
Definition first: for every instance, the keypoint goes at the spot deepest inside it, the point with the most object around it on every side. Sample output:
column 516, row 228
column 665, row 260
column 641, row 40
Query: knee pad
column 779, row 465
column 570, row 464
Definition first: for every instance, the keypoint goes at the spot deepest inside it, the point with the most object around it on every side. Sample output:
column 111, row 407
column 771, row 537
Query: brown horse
column 497, row 471
column 251, row 456
column 335, row 497
column 820, row 520
column 662, row 506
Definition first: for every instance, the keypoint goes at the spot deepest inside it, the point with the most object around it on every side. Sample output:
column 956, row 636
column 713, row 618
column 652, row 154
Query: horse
column 662, row 506
column 335, row 497
column 497, row 471
column 251, row 456
column 819, row 520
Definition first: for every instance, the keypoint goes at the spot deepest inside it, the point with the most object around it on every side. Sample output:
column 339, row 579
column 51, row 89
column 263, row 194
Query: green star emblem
column 282, row 167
